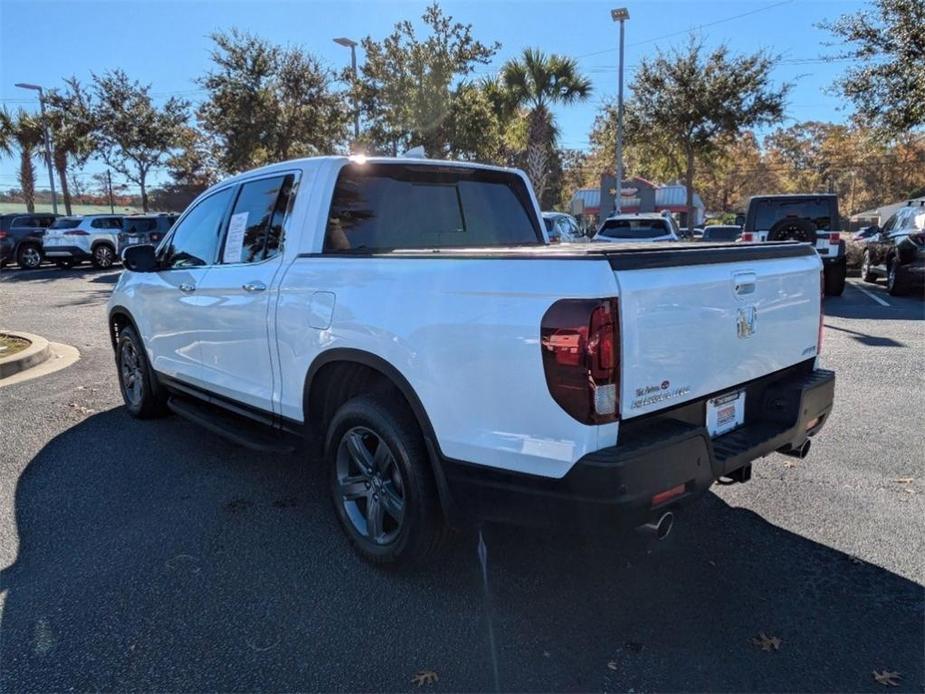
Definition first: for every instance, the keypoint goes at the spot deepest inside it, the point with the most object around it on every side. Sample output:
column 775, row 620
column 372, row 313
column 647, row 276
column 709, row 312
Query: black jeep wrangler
column 809, row 218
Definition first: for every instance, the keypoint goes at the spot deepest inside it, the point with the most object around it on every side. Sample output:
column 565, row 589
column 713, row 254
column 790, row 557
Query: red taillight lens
column 834, row 237
column 580, row 340
column 748, row 237
column 77, row 232
column 3, row 234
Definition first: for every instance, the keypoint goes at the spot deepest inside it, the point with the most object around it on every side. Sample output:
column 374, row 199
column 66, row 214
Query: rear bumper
column 57, row 252
column 614, row 487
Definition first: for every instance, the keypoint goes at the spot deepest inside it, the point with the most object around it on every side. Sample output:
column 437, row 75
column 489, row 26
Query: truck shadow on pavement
column 155, row 556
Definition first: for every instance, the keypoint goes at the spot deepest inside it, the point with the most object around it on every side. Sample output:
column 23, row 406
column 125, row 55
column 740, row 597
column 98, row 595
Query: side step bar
column 235, row 429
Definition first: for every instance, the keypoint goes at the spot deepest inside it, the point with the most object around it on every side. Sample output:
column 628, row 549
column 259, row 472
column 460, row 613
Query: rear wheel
column 834, row 280
column 895, row 282
column 866, row 274
column 144, row 399
column 104, row 256
column 29, row 256
column 381, row 483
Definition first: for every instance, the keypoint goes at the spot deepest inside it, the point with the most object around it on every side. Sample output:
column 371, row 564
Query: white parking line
column 871, row 295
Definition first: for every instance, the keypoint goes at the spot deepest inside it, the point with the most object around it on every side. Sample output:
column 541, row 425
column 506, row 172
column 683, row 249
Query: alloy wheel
column 103, row 256
column 30, row 258
column 132, row 375
column 369, row 486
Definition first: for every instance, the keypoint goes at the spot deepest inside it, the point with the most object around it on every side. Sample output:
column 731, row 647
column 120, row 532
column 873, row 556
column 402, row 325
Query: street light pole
column 352, row 45
column 619, row 15
column 51, row 176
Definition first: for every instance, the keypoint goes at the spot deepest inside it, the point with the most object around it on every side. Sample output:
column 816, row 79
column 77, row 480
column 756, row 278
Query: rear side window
column 380, row 207
column 194, row 241
column 255, row 230
column 106, row 223
column 65, row 224
column 634, row 228
column 817, row 210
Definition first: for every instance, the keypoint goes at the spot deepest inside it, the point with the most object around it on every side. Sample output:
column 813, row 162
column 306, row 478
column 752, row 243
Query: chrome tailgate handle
column 254, row 287
column 744, row 283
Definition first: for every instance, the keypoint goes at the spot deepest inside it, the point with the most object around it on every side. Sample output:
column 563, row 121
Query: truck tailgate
column 695, row 328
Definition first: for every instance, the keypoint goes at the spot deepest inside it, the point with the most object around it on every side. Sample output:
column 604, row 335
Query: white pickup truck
column 410, row 319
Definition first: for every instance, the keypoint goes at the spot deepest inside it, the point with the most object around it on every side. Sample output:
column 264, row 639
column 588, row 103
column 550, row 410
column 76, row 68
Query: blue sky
column 166, row 43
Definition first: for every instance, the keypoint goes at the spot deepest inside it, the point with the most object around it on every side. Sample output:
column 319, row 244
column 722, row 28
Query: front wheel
column 381, row 482
column 103, row 256
column 143, row 398
column 894, row 279
column 866, row 273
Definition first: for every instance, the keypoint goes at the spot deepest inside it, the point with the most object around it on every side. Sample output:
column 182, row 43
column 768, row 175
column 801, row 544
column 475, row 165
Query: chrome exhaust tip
column 800, row 451
column 660, row 528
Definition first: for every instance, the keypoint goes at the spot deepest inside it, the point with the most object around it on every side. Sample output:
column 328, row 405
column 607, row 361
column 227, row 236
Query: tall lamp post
column 352, row 45
column 51, row 177
column 621, row 14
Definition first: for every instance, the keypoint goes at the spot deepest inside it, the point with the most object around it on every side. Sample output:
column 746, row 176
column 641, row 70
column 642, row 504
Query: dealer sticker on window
column 725, row 413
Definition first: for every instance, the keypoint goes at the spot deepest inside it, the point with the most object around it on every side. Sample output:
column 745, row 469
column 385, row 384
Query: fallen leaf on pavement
column 887, row 679
column 424, row 677
column 767, row 643
column 905, row 480
column 612, row 665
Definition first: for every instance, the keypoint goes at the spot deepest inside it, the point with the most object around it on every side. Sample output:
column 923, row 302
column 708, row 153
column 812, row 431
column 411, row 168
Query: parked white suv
column 411, row 321
column 94, row 237
column 635, row 228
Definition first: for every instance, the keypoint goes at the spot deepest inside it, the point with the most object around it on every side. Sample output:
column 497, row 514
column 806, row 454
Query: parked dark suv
column 145, row 229
column 810, row 218
column 897, row 251
column 21, row 238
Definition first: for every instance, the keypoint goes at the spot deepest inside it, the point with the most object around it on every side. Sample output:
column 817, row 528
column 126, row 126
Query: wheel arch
column 367, row 372
column 120, row 317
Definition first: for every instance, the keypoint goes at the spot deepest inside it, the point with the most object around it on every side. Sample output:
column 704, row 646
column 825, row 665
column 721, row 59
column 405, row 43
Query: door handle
column 186, row 288
column 254, row 287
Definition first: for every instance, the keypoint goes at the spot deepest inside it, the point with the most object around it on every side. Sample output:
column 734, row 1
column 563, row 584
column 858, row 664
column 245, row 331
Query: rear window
column 634, row 228
column 818, row 210
column 721, row 233
column 379, row 207
column 65, row 224
column 135, row 226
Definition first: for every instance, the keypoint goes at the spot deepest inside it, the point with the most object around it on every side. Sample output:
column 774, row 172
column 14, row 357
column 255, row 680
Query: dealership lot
column 153, row 555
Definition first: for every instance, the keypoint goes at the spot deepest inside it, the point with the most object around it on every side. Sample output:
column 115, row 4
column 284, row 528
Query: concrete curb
column 36, row 353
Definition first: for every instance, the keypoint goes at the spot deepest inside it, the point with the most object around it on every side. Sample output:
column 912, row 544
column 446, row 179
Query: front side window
column 195, row 239
column 255, row 230
column 381, row 207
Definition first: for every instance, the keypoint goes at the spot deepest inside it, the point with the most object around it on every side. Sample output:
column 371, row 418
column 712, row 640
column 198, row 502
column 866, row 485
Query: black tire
column 895, row 281
column 834, row 279
column 866, row 274
column 29, row 256
column 66, row 263
column 104, row 256
column 400, row 473
column 143, row 396
column 793, row 230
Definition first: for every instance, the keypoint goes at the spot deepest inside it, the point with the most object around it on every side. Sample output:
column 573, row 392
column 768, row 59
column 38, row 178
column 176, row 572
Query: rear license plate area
column 725, row 413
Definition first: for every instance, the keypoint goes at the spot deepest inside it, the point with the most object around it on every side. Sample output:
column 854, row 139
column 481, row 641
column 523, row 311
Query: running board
column 231, row 427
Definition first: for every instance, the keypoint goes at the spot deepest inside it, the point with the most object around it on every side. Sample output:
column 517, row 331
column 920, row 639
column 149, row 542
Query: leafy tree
column 134, row 135
column 22, row 131
column 71, row 122
column 536, row 81
column 267, row 103
column 695, row 100
column 408, row 88
column 886, row 79
column 733, row 172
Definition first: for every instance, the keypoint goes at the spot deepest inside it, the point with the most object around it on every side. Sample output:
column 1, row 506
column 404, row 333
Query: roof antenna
column 414, row 153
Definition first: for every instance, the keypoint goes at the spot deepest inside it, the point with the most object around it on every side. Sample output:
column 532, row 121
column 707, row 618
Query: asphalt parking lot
column 156, row 556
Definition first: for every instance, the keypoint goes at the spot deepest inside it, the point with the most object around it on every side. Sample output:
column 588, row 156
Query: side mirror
column 139, row 258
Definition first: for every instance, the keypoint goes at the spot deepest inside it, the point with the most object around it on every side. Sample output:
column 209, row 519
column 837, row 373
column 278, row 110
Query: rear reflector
column 747, row 237
column 667, row 495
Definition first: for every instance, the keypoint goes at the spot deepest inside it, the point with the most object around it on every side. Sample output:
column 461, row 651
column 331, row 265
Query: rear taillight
column 76, row 232
column 834, row 237
column 580, row 340
column 3, row 234
column 821, row 297
column 747, row 237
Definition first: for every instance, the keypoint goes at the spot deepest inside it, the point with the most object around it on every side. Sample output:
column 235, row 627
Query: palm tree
column 70, row 120
column 25, row 131
column 536, row 81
